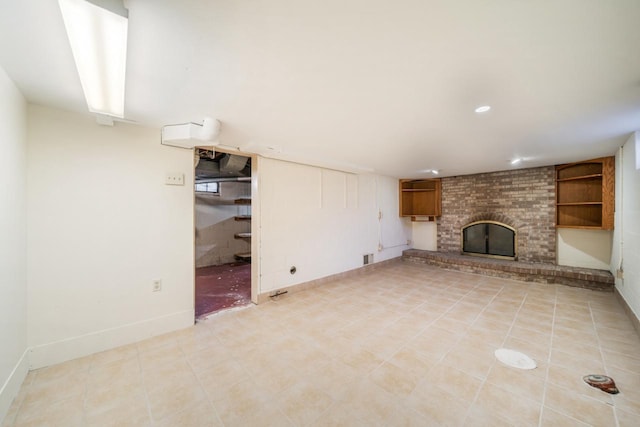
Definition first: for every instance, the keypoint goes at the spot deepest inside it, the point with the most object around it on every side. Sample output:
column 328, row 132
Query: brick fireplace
column 523, row 199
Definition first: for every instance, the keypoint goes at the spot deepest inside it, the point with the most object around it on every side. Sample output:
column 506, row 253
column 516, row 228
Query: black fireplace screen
column 489, row 238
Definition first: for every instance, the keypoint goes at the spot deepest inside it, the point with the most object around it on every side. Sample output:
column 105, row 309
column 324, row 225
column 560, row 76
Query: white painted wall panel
column 323, row 221
column 394, row 231
column 102, row 226
column 584, row 248
column 626, row 241
column 334, row 190
column 425, row 235
column 13, row 241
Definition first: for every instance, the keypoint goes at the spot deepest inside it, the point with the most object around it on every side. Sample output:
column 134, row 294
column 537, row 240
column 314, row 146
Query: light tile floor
column 403, row 345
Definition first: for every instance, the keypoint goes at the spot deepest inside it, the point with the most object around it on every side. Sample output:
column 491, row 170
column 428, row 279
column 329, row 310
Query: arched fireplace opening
column 489, row 239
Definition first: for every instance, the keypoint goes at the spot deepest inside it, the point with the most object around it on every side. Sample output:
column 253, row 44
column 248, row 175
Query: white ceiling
column 372, row 85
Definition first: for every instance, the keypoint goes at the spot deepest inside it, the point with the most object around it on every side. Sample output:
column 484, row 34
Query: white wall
column 102, row 226
column 626, row 240
column 13, row 240
column 584, row 248
column 323, row 221
column 425, row 235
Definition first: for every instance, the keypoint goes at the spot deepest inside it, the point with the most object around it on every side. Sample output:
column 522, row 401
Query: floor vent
column 367, row 259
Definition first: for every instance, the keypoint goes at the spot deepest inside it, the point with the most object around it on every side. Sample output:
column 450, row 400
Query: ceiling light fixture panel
column 483, row 109
column 98, row 38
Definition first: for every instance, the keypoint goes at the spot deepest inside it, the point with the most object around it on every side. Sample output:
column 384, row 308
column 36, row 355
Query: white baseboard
column 12, row 385
column 265, row 296
column 635, row 320
column 84, row 345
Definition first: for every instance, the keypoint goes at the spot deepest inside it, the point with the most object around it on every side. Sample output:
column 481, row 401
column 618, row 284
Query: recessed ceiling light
column 516, row 161
column 483, row 109
column 432, row 171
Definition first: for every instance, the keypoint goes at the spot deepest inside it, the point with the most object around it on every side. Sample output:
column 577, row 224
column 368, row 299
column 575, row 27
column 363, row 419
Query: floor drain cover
column 515, row 359
column 602, row 382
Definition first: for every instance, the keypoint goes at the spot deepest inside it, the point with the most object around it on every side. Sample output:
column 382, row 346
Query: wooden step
column 243, row 218
column 242, row 235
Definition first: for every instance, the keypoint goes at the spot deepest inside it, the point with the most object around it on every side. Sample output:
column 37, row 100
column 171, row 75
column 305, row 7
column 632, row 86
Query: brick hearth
column 600, row 280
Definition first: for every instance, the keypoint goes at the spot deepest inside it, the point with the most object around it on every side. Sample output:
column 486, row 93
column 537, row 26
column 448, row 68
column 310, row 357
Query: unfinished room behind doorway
column 223, row 231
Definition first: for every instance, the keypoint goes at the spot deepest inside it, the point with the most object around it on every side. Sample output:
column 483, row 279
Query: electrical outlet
column 174, row 178
column 156, row 285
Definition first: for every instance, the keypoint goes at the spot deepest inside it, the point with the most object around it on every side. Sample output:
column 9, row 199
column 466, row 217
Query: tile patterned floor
column 404, row 345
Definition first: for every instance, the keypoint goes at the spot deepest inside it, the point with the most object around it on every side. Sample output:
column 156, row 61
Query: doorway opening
column 222, row 231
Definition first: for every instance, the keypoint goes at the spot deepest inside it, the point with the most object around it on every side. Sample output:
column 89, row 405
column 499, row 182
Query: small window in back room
column 208, row 187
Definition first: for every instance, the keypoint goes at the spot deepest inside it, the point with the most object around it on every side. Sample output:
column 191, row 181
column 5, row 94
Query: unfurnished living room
column 319, row 213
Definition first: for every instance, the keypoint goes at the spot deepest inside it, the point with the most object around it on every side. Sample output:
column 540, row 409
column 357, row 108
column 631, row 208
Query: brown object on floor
column 602, row 382
column 220, row 287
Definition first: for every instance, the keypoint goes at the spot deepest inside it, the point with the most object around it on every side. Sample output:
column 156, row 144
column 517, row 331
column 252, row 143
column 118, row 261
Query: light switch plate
column 174, row 178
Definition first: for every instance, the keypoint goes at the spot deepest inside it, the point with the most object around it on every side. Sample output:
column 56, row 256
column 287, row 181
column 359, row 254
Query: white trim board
column 84, row 345
column 12, row 385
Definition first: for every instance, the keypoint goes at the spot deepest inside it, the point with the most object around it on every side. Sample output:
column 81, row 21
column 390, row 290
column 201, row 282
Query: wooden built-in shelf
column 244, row 256
column 420, row 198
column 582, row 227
column 242, row 201
column 242, row 235
column 578, row 203
column 594, row 176
column 242, row 217
column 585, row 194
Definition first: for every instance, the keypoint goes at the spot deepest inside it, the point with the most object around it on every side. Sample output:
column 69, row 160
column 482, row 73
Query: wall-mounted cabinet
column 585, row 194
column 420, row 198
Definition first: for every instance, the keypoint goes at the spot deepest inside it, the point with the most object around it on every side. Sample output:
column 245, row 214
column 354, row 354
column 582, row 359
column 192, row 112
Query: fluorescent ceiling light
column 483, row 109
column 516, row 161
column 435, row 172
column 98, row 38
